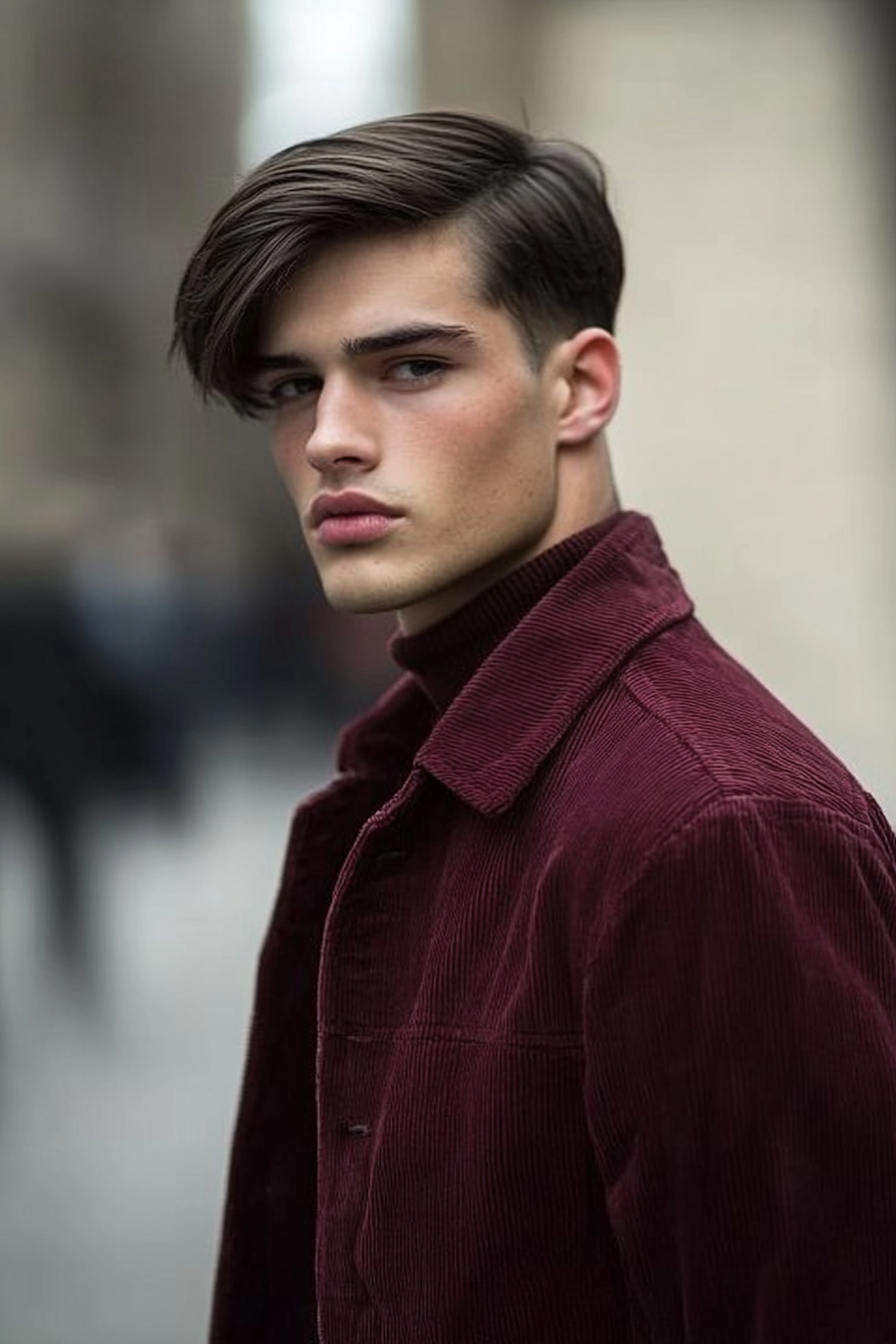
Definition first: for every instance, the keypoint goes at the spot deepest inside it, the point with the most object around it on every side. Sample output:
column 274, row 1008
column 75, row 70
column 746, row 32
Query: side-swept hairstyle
column 543, row 239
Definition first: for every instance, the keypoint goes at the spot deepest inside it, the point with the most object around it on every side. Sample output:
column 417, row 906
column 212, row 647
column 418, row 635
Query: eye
column 418, row 369
column 297, row 388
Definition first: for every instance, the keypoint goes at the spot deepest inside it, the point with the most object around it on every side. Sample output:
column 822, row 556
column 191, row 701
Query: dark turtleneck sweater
column 444, row 656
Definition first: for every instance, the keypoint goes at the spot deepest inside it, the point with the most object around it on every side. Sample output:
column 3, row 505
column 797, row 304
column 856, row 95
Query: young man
column 576, row 1019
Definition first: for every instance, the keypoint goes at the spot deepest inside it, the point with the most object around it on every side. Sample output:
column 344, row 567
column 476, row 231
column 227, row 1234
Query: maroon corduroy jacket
column 576, row 1019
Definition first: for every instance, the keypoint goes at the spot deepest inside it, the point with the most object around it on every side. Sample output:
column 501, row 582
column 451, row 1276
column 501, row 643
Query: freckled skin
column 489, row 460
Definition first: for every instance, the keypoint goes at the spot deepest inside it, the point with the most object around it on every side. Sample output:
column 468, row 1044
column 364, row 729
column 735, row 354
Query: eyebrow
column 395, row 338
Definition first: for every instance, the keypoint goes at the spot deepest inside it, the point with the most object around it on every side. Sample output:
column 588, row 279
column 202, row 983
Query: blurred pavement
column 114, row 1132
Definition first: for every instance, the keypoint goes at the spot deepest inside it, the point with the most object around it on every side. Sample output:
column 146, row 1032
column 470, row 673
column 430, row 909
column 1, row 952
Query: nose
column 344, row 431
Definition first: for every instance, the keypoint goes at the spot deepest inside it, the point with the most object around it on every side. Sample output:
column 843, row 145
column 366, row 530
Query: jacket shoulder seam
column 735, row 805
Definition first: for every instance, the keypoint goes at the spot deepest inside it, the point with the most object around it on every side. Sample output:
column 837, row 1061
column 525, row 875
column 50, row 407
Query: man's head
column 423, row 305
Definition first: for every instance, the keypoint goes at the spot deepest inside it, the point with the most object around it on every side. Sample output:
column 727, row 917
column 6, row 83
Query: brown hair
column 544, row 239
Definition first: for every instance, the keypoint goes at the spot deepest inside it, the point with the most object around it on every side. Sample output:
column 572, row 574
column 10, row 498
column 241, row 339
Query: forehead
column 358, row 285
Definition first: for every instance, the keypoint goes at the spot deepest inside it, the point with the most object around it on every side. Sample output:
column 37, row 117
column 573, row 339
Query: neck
column 445, row 655
column 586, row 492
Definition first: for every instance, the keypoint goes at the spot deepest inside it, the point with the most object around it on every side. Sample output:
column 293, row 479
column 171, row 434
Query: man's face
column 413, row 434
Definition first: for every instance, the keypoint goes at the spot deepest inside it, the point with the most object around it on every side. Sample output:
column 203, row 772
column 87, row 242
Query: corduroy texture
column 604, row 1040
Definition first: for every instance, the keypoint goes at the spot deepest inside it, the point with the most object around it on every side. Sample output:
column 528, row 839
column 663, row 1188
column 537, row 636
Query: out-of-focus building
column 118, row 139
column 749, row 160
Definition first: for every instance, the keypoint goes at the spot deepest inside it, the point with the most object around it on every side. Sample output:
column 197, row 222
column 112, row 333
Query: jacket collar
column 492, row 738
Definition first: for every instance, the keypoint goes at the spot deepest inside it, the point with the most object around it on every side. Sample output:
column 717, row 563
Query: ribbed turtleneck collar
column 445, row 656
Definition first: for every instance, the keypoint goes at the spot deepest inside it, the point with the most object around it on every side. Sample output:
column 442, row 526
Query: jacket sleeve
column 741, row 1080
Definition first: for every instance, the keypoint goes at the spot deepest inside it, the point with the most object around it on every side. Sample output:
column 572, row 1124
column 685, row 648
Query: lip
column 346, row 503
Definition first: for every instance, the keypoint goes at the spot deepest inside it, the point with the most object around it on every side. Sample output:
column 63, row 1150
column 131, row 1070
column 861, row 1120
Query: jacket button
column 388, row 858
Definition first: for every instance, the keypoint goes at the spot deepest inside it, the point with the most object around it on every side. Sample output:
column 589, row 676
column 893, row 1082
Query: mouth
column 350, row 518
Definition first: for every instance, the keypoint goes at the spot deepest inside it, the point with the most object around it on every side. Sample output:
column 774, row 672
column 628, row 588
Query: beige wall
column 757, row 324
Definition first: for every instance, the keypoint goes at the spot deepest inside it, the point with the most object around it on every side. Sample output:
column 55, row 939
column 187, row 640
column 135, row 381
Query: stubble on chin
column 359, row 599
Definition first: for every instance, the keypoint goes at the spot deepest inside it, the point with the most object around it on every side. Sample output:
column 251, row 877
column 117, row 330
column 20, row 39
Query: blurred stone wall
column 118, row 124
column 750, row 168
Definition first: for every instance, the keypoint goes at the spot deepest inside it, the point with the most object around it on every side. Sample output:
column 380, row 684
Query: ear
column 590, row 368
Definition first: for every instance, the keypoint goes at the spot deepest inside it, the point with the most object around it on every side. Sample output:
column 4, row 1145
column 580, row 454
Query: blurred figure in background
column 570, row 962
column 90, row 688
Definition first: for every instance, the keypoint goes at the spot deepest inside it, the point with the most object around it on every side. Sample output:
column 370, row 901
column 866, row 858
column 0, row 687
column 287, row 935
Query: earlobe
column 592, row 374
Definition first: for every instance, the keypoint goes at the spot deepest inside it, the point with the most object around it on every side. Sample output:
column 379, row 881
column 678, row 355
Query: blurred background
column 170, row 680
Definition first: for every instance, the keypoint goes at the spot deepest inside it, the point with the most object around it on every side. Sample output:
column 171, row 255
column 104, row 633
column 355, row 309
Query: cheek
column 505, row 454
column 480, row 439
column 290, row 427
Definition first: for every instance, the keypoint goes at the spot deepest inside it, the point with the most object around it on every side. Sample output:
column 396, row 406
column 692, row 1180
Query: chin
column 360, row 603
